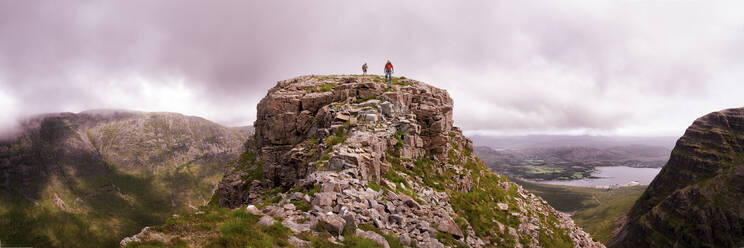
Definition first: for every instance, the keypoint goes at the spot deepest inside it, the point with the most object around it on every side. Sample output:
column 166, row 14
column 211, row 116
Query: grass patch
column 391, row 239
column 316, row 188
column 326, row 87
column 397, row 81
column 338, row 137
column 221, row 227
column 366, row 98
column 373, row 185
column 597, row 211
column 449, row 241
column 301, row 205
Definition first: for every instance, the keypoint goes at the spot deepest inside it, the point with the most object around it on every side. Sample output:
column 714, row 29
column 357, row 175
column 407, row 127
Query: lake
column 612, row 175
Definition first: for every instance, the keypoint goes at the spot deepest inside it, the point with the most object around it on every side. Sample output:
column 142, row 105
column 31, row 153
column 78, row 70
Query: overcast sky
column 513, row 67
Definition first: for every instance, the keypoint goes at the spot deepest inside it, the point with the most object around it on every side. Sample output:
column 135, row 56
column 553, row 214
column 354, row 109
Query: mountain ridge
column 90, row 178
column 348, row 160
column 696, row 200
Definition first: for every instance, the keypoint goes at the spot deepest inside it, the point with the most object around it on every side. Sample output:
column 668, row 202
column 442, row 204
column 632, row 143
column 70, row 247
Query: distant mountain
column 89, row 179
column 697, row 200
column 566, row 162
column 548, row 141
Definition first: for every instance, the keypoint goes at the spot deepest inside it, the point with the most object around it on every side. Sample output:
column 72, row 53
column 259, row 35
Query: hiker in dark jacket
column 364, row 69
column 389, row 72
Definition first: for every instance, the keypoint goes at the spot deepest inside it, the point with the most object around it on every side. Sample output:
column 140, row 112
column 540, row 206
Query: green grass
column 373, row 185
column 221, row 227
column 477, row 206
column 596, row 211
column 337, row 138
column 301, row 205
column 449, row 241
column 391, row 239
column 366, row 98
column 397, row 81
column 99, row 221
column 126, row 181
column 326, row 87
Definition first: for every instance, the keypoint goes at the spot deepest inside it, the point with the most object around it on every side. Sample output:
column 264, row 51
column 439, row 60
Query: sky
column 628, row 68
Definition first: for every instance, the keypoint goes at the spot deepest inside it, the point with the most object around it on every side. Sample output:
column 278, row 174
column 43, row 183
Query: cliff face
column 697, row 200
column 344, row 160
column 89, row 179
column 297, row 117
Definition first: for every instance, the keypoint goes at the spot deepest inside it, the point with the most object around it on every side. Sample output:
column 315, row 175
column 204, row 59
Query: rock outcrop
column 697, row 198
column 350, row 157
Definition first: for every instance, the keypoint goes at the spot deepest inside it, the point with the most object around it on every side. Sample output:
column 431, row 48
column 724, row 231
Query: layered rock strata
column 697, row 200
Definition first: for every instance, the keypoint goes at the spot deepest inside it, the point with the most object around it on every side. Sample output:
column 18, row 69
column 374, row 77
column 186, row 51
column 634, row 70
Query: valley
column 594, row 179
column 569, row 162
column 600, row 212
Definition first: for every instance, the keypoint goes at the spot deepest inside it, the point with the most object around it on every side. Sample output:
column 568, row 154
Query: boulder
column 447, row 225
column 434, row 243
column 324, row 199
column 295, row 227
column 253, row 210
column 404, row 239
column 266, row 221
column 298, row 243
column 372, row 236
column 410, row 202
column 332, row 223
column 387, row 109
column 369, row 117
column 502, row 206
column 396, row 219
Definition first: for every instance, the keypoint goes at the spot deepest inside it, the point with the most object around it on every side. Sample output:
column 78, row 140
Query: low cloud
column 605, row 67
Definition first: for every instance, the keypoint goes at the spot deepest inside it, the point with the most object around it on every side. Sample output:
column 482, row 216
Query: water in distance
column 614, row 175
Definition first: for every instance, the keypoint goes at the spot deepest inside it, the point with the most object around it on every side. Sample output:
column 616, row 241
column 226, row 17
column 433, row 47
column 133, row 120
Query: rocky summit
column 351, row 161
column 697, row 199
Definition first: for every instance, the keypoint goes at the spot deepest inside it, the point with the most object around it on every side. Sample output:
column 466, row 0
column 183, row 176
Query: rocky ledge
column 340, row 158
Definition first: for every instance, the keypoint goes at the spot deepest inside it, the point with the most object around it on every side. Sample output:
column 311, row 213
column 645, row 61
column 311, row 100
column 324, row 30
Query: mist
column 534, row 67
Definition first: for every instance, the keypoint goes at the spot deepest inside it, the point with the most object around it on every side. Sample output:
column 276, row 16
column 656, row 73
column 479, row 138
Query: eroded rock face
column 362, row 153
column 294, row 111
column 697, row 198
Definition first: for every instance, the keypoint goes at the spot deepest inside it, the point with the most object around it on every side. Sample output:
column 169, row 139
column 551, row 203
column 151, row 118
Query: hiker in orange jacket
column 389, row 72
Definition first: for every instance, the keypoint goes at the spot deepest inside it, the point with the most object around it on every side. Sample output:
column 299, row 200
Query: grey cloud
column 532, row 65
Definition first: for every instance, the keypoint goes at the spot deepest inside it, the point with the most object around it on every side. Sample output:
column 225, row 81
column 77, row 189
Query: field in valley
column 600, row 212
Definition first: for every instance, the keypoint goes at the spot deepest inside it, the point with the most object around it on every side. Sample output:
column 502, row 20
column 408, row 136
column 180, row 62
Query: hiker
column 364, row 69
column 389, row 72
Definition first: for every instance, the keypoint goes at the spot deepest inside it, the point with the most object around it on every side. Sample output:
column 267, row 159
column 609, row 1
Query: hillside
column 599, row 212
column 697, row 198
column 349, row 161
column 89, row 179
